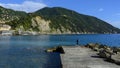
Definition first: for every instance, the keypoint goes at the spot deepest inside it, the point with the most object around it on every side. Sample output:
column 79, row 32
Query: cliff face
column 44, row 26
column 55, row 20
column 41, row 24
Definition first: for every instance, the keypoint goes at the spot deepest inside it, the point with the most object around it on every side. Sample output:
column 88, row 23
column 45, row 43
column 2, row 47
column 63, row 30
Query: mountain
column 62, row 18
column 7, row 15
column 12, row 18
column 55, row 20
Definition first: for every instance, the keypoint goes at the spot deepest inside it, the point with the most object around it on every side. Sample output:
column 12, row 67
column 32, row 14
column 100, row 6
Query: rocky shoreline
column 109, row 54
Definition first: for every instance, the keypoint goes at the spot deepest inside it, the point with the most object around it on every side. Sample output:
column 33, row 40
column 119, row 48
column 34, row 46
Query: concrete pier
column 81, row 57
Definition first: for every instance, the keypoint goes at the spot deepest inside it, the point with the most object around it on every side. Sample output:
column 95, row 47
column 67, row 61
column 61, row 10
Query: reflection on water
column 28, row 51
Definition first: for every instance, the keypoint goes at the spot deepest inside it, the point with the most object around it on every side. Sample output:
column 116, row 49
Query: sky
column 107, row 10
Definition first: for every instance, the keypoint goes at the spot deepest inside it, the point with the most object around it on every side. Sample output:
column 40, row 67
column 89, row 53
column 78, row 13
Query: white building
column 4, row 27
column 6, row 33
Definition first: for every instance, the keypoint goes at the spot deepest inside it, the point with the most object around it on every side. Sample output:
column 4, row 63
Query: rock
column 57, row 49
column 102, row 46
column 116, row 50
column 116, row 58
column 111, row 54
column 96, row 49
column 109, row 50
column 93, row 46
column 51, row 50
column 104, row 53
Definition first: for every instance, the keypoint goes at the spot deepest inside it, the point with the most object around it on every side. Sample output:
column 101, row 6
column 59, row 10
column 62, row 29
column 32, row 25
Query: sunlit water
column 29, row 51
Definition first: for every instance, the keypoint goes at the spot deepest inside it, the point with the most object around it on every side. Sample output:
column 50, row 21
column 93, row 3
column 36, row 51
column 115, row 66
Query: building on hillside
column 4, row 27
column 6, row 33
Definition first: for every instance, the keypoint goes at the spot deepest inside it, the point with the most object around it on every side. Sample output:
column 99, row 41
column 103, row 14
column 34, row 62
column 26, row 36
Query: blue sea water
column 29, row 51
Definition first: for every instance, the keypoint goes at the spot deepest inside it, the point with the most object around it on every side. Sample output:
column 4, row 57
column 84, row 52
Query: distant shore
column 55, row 34
column 13, row 32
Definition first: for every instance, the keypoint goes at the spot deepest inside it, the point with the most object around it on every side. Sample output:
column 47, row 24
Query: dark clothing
column 77, row 42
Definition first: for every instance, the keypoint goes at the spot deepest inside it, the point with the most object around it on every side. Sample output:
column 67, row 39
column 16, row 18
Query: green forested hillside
column 74, row 21
column 14, row 18
column 60, row 19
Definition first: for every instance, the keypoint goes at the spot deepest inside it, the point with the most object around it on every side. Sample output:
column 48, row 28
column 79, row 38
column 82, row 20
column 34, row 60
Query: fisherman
column 77, row 41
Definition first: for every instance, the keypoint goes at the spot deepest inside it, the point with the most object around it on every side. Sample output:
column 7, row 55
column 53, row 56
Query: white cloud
column 27, row 6
column 100, row 9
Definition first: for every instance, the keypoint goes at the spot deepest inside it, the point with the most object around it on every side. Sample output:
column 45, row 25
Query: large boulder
column 103, row 46
column 93, row 46
column 116, row 58
column 59, row 49
column 96, row 49
column 97, row 46
column 105, row 53
column 56, row 49
column 116, row 50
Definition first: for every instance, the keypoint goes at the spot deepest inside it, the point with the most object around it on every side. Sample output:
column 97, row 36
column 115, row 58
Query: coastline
column 14, row 33
column 59, row 34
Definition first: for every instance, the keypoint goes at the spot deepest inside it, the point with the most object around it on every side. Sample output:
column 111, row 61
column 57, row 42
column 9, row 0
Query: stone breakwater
column 91, row 55
column 110, row 54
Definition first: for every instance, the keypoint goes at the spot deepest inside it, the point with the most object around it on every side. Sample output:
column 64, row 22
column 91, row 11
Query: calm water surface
column 28, row 51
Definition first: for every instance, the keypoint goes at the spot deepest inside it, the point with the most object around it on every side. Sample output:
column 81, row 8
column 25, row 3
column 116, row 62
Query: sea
column 29, row 51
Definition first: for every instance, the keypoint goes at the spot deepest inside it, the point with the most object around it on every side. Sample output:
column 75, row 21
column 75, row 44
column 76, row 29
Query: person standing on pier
column 77, row 41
